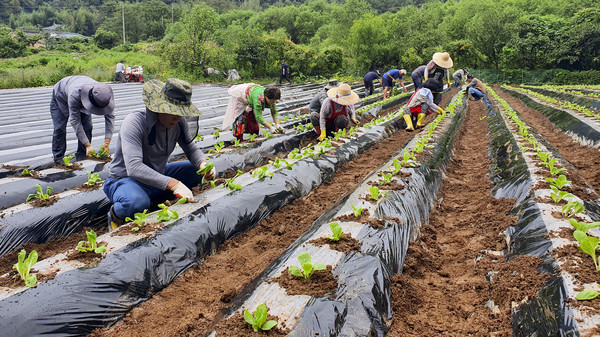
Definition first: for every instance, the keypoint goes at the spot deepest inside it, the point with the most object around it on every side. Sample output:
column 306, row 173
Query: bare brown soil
column 192, row 303
column 345, row 245
column 236, row 326
column 585, row 158
column 443, row 290
column 320, row 283
column 85, row 187
column 37, row 202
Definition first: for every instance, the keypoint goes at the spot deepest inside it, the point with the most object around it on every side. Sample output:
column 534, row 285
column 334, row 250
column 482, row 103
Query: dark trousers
column 418, row 82
column 59, row 112
column 284, row 77
column 119, row 77
column 368, row 88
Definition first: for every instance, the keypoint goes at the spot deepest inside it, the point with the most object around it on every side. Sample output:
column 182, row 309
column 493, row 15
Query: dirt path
column 443, row 290
column 585, row 158
column 190, row 305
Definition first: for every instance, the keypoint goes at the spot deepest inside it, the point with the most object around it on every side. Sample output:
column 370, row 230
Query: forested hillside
column 319, row 37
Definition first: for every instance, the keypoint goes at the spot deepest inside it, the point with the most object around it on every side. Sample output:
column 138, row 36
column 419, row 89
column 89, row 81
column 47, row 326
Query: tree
column 199, row 23
column 105, row 39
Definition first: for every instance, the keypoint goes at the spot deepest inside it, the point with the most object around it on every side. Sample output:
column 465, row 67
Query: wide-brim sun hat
column 443, row 60
column 97, row 98
column 172, row 97
column 343, row 95
column 332, row 84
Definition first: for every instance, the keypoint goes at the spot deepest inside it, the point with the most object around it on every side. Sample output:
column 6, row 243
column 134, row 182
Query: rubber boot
column 409, row 124
column 420, row 120
column 113, row 221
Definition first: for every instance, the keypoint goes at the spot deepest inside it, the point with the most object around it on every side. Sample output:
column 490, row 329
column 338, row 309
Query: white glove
column 181, row 191
column 271, row 128
column 89, row 151
column 209, row 175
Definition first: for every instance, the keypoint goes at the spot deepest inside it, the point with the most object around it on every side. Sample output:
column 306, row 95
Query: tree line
column 319, row 37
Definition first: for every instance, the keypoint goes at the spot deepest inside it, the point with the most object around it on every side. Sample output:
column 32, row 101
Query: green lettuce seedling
column 543, row 156
column 216, row 134
column 406, row 157
column 93, row 178
column 268, row 135
column 139, row 221
column 101, row 154
column 92, row 246
column 357, row 211
column 375, row 193
column 558, row 195
column 307, row 268
column 218, row 147
column 336, row 229
column 559, row 182
column 261, row 172
column 252, row 137
column 24, row 265
column 583, row 226
column 229, row 183
column 572, row 208
column 588, row 245
column 553, row 170
column 206, row 169
column 587, row 295
column 67, row 160
column 40, row 195
column 396, row 166
column 258, row 320
column 199, row 138
column 27, row 172
column 164, row 214
column 387, row 177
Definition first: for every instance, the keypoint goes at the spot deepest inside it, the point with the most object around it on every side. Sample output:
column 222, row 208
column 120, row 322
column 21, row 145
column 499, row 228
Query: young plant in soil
column 27, row 172
column 357, row 211
column 216, row 134
column 164, row 214
column 218, row 147
column 396, row 166
column 553, row 170
column 258, row 320
column 67, row 160
column 40, row 194
column 387, row 177
column 206, row 169
column 587, row 295
column 336, row 229
column 24, row 265
column 307, row 268
column 588, row 245
column 139, row 220
column 261, row 172
column 572, row 208
column 199, row 138
column 558, row 196
column 559, row 182
column 92, row 246
column 375, row 193
column 278, row 162
column 268, row 135
column 406, row 157
column 93, row 178
column 583, row 226
column 252, row 137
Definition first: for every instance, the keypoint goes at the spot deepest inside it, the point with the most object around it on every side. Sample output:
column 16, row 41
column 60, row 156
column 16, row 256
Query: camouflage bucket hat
column 173, row 97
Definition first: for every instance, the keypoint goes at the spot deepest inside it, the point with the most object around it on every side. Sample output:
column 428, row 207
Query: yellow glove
column 89, row 151
column 323, row 135
column 106, row 148
column 440, row 110
column 426, row 78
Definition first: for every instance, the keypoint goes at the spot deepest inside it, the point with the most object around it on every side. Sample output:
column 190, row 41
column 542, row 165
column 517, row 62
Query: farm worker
column 437, row 69
column 139, row 173
column 317, row 100
column 285, row 72
column 119, row 76
column 368, row 80
column 459, row 76
column 476, row 89
column 420, row 104
column 77, row 98
column 389, row 78
column 244, row 112
column 417, row 77
column 335, row 111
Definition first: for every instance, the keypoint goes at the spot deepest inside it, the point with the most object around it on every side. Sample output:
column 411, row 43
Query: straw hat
column 343, row 95
column 97, row 98
column 443, row 60
column 332, row 84
column 173, row 97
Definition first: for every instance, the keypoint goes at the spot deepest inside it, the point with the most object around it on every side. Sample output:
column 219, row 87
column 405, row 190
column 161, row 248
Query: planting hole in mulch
column 236, row 326
column 88, row 258
column 127, row 229
column 321, row 283
column 86, row 187
column 73, row 167
column 345, row 245
column 14, row 167
column 37, row 202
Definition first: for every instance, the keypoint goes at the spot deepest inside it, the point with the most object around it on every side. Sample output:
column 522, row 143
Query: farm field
column 483, row 222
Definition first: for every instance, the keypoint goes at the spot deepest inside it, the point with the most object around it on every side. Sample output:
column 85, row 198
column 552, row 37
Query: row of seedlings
column 335, row 279
column 138, row 264
column 585, row 98
column 585, row 130
column 556, row 222
column 565, row 104
column 87, row 206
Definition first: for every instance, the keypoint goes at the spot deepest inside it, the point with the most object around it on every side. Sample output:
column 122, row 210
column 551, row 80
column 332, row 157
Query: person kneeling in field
column 421, row 104
column 139, row 174
column 245, row 109
column 335, row 111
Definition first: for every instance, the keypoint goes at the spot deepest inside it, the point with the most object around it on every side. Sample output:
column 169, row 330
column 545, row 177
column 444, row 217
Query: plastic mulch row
column 583, row 101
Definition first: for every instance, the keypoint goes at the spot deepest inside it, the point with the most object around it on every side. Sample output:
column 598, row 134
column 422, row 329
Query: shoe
column 409, row 124
column 113, row 221
column 420, row 120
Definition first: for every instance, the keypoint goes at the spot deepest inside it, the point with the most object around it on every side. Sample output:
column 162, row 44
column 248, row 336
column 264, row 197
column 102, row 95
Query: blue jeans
column 129, row 196
column 477, row 95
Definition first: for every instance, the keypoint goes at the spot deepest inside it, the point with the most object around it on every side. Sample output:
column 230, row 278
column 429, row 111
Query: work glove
column 323, row 135
column 105, row 148
column 181, row 191
column 440, row 111
column 89, row 151
column 354, row 121
column 210, row 175
column 271, row 128
column 279, row 129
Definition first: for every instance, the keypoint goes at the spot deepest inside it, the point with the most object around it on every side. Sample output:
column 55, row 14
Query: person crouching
column 335, row 111
column 421, row 104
